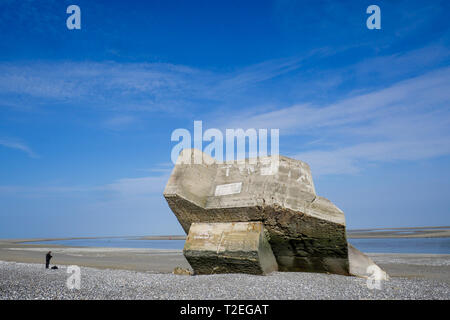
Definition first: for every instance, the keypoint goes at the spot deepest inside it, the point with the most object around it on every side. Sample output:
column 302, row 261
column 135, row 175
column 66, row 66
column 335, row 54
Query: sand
column 424, row 266
column 121, row 273
column 151, row 260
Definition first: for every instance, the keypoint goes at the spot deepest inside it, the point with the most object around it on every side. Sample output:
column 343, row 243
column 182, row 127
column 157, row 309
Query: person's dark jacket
column 48, row 256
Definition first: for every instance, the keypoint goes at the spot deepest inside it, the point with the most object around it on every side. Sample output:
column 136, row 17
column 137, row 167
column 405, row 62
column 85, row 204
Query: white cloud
column 257, row 73
column 13, row 144
column 124, row 187
column 127, row 86
column 406, row 121
column 371, row 126
column 143, row 186
column 401, row 63
column 119, row 122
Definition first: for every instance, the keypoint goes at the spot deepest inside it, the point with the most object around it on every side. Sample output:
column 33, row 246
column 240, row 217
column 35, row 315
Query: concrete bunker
column 304, row 232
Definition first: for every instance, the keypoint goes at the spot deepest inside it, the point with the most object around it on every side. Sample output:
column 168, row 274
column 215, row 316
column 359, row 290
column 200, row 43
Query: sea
column 374, row 245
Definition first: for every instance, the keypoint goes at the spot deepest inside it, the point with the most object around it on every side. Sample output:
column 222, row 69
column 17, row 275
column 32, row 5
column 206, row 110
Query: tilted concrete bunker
column 306, row 232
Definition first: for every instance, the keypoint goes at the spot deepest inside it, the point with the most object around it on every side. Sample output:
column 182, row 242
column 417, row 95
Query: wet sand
column 148, row 260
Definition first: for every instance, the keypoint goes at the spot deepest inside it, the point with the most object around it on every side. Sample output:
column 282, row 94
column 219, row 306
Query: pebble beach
column 19, row 281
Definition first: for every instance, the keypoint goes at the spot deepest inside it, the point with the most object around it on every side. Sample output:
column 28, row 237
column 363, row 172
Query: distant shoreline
column 369, row 233
column 25, row 240
column 397, row 233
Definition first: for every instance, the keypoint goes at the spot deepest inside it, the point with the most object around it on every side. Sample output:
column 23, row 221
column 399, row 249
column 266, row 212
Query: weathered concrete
column 362, row 266
column 306, row 231
column 235, row 247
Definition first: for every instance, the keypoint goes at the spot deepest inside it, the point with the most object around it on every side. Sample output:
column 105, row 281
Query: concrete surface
column 229, row 248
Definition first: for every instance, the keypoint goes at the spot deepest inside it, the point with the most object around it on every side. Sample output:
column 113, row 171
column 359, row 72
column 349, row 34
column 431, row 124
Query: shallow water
column 403, row 245
column 118, row 243
column 385, row 245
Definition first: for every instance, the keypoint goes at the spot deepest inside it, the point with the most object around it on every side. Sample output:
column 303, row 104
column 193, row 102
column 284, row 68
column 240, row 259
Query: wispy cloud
column 406, row 121
column 255, row 74
column 93, row 84
column 165, row 167
column 119, row 122
column 123, row 187
column 142, row 186
column 385, row 68
column 18, row 145
column 128, row 86
column 419, row 93
column 371, row 121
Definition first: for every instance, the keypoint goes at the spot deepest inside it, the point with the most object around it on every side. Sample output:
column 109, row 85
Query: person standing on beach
column 48, row 256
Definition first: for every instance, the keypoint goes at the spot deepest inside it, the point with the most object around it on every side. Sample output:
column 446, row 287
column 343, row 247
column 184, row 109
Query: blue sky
column 86, row 115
